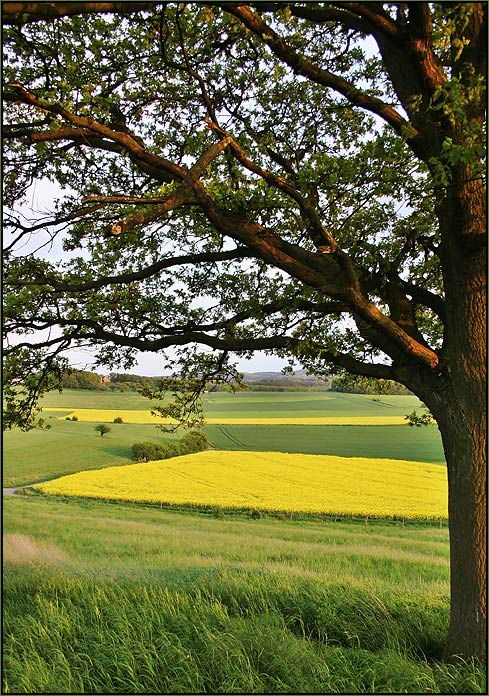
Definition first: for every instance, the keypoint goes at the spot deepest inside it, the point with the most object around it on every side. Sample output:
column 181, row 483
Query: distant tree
column 82, row 379
column 103, row 429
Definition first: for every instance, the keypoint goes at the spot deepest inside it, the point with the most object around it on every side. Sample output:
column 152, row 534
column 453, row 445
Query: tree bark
column 463, row 442
column 460, row 409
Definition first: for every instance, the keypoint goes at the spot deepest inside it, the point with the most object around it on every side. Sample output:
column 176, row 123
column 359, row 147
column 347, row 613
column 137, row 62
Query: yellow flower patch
column 108, row 415
column 103, row 415
column 272, row 481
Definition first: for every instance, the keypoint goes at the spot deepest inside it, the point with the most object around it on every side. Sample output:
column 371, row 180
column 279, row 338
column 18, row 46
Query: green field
column 129, row 598
column 73, row 446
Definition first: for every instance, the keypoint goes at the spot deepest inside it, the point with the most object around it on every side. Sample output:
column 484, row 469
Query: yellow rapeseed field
column 272, row 481
column 104, row 415
column 107, row 416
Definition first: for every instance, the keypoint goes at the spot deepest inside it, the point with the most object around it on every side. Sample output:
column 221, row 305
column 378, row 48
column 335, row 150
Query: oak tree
column 300, row 178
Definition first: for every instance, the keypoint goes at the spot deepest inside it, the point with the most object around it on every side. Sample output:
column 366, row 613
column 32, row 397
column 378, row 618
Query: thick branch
column 20, row 13
column 159, row 167
column 98, row 333
column 303, row 66
column 316, row 14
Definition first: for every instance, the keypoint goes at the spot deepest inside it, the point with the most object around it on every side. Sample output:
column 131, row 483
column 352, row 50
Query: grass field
column 103, row 598
column 271, row 482
column 394, row 442
column 247, row 404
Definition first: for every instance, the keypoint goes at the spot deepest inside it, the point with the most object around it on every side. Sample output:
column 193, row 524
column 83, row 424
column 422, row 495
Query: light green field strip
column 107, row 416
column 271, row 481
column 326, row 420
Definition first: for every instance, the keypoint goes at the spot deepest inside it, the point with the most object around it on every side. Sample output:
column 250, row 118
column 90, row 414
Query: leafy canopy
column 232, row 178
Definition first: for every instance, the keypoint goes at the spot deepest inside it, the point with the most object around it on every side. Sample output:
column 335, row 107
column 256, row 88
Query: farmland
column 69, row 447
column 271, row 481
column 118, row 597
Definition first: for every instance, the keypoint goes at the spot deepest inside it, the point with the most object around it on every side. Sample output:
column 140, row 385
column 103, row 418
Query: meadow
column 105, row 597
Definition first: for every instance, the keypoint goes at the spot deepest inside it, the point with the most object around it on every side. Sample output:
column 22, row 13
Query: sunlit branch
column 302, row 66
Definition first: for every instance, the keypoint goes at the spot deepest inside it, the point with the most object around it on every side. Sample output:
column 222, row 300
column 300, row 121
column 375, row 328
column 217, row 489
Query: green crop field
column 393, row 441
column 39, row 455
column 107, row 597
column 69, row 447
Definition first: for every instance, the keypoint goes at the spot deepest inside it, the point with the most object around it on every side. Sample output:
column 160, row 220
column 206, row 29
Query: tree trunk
column 463, row 433
column 460, row 409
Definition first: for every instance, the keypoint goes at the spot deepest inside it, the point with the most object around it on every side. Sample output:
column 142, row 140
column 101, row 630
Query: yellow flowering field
column 271, row 481
column 107, row 416
column 103, row 415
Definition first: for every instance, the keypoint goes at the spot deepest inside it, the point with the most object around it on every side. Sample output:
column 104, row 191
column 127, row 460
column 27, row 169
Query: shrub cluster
column 193, row 441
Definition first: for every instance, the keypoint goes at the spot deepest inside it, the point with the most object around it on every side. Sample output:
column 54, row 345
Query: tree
column 103, row 429
column 306, row 179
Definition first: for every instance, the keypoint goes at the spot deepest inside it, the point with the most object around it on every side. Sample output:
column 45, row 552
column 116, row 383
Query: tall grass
column 224, row 634
column 101, row 598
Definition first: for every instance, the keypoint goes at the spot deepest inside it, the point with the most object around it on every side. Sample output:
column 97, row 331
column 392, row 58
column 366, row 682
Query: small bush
column 118, row 420
column 74, row 418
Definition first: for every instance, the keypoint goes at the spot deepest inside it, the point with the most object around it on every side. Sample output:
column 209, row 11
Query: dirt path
column 11, row 491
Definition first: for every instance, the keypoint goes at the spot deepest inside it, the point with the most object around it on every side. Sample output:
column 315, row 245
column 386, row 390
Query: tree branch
column 303, row 66
column 98, row 333
column 20, row 13
column 159, row 167
column 126, row 278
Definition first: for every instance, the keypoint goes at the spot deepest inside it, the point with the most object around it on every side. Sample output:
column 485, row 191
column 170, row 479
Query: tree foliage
column 102, row 429
column 202, row 158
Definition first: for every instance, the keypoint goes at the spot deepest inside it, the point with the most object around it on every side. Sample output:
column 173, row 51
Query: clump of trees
column 124, row 381
column 82, row 379
column 193, row 441
column 364, row 385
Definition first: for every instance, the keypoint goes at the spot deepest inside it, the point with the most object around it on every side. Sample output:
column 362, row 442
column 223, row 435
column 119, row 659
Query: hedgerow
column 193, row 441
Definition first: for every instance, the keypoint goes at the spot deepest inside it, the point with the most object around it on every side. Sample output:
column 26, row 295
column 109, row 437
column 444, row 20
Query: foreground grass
column 101, row 598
